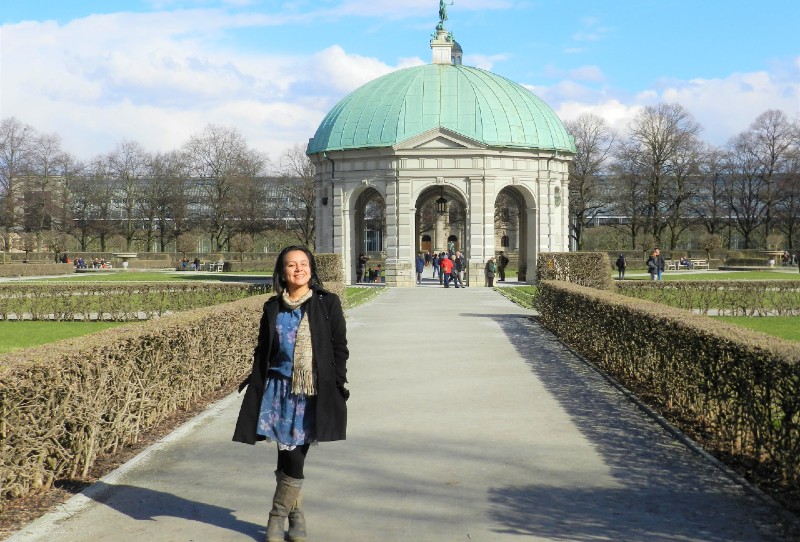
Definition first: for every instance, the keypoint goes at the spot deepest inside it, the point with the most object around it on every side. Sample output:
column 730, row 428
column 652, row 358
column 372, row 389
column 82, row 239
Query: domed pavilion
column 437, row 155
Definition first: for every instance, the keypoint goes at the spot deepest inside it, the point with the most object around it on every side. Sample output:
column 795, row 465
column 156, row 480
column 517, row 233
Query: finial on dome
column 442, row 42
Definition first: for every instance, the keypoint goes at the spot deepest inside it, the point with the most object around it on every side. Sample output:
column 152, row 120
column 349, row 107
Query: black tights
column 290, row 462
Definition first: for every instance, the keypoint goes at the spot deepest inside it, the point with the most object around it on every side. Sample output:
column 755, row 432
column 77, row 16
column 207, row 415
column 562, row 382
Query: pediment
column 438, row 138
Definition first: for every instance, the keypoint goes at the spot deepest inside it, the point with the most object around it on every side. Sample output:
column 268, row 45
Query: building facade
column 445, row 149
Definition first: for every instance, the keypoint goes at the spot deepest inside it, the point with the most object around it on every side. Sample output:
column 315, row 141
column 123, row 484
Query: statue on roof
column 442, row 13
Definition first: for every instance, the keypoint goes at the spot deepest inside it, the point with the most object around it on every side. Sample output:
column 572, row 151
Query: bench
column 699, row 264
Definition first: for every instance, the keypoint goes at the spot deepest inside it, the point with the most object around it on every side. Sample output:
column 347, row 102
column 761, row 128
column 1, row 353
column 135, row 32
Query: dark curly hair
column 278, row 279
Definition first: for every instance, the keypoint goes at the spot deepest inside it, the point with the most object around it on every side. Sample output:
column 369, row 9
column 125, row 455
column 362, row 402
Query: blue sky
column 158, row 71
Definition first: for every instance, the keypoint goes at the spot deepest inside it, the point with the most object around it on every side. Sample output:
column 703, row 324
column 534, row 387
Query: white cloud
column 724, row 106
column 158, row 78
column 484, row 62
column 154, row 79
column 587, row 73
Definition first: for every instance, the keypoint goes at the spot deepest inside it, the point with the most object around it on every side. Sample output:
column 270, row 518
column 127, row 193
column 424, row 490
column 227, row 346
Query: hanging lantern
column 441, row 204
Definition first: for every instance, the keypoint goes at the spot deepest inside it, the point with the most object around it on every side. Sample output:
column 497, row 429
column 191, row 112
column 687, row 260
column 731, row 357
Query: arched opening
column 510, row 226
column 441, row 217
column 369, row 228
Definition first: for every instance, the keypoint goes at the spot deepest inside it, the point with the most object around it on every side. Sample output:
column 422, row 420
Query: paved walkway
column 468, row 422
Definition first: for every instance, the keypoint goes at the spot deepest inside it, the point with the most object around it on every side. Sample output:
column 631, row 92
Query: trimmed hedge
column 728, row 297
column 64, row 404
column 117, row 302
column 733, row 390
column 584, row 268
column 35, row 269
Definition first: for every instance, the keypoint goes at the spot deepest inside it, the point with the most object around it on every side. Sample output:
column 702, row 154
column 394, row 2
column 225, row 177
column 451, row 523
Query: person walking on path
column 296, row 391
column 436, row 269
column 361, row 266
column 622, row 263
column 502, row 262
column 458, row 268
column 652, row 265
column 447, row 268
column 489, row 272
column 420, row 267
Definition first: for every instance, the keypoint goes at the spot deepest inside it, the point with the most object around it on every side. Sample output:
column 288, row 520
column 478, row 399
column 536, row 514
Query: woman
column 295, row 392
column 489, row 272
column 652, row 265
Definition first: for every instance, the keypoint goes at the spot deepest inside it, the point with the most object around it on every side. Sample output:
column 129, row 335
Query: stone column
column 399, row 235
column 480, row 227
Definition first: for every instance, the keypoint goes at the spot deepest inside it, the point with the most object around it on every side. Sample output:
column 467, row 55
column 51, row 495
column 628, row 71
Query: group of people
column 365, row 272
column 187, row 265
column 448, row 267
column 655, row 265
column 97, row 263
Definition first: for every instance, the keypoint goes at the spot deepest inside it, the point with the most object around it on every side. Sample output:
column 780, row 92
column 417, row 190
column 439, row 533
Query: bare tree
column 679, row 190
column 163, row 202
column 658, row 136
column 127, row 166
column 594, row 142
column 768, row 140
column 100, row 197
column 629, row 195
column 745, row 188
column 297, row 201
column 787, row 206
column 217, row 157
column 708, row 205
column 15, row 139
column 42, row 183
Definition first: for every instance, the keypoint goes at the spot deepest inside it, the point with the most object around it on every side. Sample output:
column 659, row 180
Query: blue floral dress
column 286, row 418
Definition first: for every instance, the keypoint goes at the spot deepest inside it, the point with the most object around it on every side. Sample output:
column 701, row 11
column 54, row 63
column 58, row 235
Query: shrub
column 108, row 301
column 727, row 297
column 35, row 269
column 64, row 404
column 584, row 268
column 732, row 389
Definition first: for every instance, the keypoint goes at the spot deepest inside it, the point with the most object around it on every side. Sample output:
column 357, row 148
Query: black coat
column 329, row 345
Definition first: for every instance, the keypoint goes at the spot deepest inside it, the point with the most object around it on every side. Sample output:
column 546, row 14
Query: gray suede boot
column 287, row 492
column 297, row 521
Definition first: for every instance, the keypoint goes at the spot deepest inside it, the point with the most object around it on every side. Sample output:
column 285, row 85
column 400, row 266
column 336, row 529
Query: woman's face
column 296, row 269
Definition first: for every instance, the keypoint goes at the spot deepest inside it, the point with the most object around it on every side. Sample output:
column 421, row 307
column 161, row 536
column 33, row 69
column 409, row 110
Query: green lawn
column 357, row 295
column 784, row 327
column 521, row 295
column 16, row 335
column 719, row 275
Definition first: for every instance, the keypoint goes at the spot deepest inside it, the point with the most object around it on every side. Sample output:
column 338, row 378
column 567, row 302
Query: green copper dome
column 472, row 102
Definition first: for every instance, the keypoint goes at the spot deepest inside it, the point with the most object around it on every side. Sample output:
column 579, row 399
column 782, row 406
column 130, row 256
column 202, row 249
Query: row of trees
column 659, row 180
column 214, row 186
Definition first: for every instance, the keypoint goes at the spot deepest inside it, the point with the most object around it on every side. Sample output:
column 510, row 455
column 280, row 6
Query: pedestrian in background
column 489, row 271
column 502, row 262
column 296, row 390
column 622, row 263
column 420, row 267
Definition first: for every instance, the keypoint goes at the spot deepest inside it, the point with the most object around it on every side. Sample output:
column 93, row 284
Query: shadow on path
column 147, row 504
column 654, row 471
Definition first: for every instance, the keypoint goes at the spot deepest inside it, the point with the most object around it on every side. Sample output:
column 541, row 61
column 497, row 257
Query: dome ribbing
column 475, row 103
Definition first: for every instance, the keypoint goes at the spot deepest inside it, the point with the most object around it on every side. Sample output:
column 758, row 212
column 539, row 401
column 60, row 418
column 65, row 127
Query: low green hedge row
column 64, row 404
column 733, row 390
column 35, row 269
column 116, row 302
column 727, row 297
column 585, row 268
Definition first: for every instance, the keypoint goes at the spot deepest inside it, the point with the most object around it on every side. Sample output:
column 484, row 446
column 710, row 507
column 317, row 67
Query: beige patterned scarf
column 303, row 374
